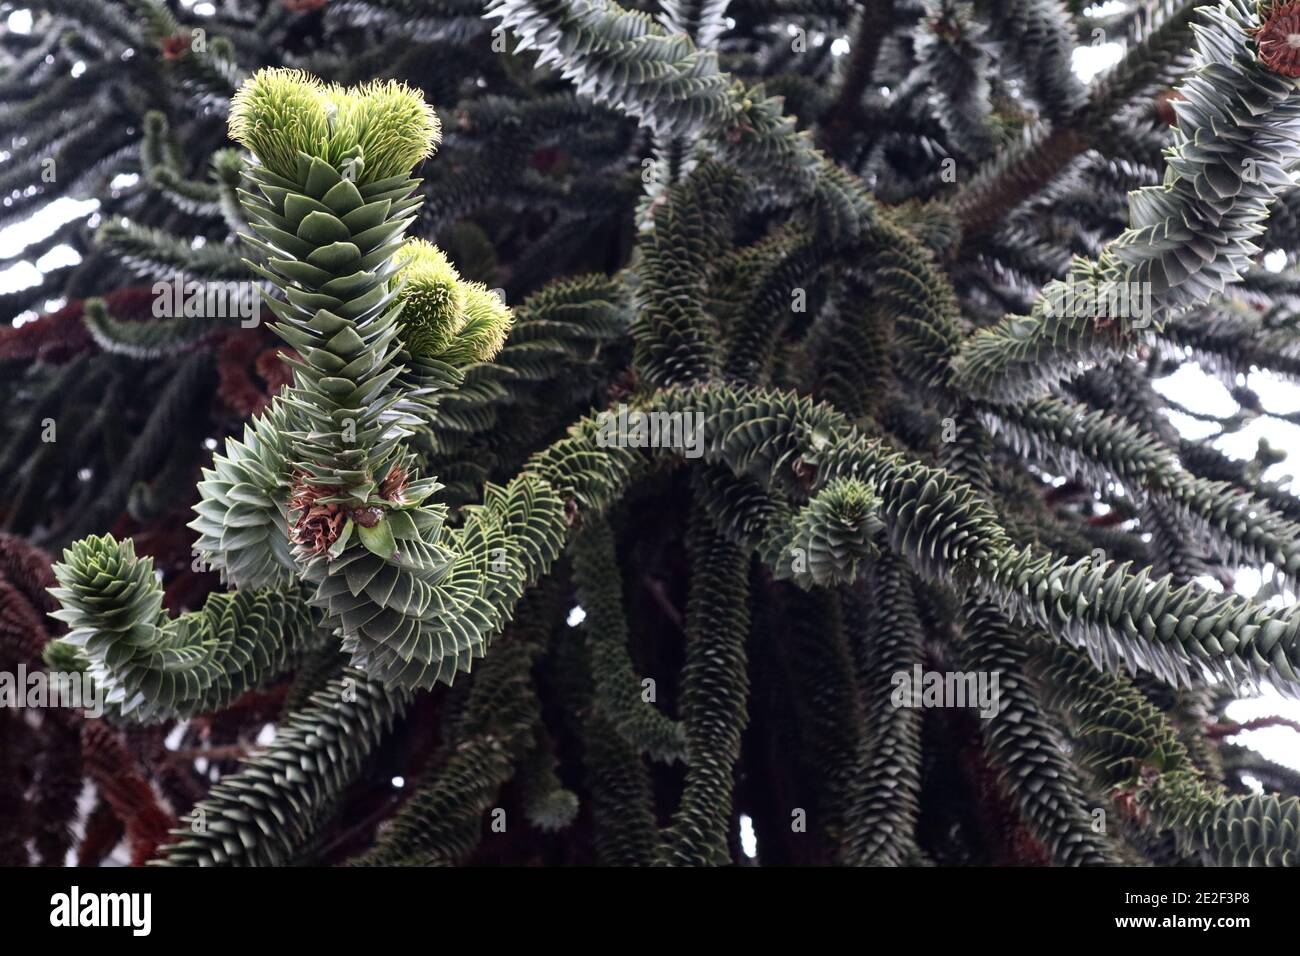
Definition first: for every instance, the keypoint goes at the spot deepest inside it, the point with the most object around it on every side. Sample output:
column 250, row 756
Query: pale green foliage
column 279, row 114
column 444, row 317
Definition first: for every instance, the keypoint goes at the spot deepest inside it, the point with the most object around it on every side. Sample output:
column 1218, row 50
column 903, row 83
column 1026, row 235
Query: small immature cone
column 443, row 316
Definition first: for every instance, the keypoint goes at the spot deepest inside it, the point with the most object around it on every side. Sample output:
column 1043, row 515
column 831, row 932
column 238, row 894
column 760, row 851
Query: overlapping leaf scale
column 1134, row 620
column 151, row 667
column 1234, row 147
column 328, row 245
column 241, row 515
column 430, row 610
column 265, row 814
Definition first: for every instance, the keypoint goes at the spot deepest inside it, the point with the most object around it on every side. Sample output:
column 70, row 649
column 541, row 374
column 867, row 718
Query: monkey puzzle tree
column 869, row 273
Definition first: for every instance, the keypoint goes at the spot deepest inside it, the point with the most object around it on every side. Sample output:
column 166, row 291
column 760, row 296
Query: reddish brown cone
column 318, row 525
column 1278, row 39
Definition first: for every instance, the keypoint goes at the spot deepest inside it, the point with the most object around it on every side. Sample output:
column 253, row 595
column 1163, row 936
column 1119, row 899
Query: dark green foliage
column 715, row 689
column 433, row 558
column 265, row 814
column 441, row 824
column 620, row 701
column 148, row 664
column 882, row 804
column 1038, row 774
